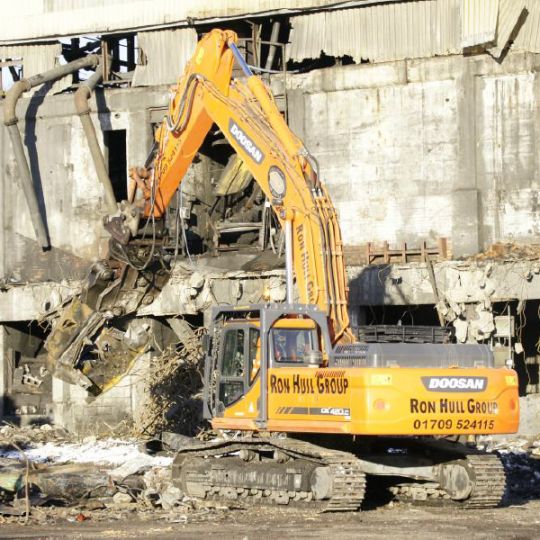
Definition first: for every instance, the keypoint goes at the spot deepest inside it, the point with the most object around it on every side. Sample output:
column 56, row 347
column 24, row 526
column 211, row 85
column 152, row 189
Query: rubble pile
column 523, row 473
column 173, row 390
column 509, row 251
column 46, row 475
column 521, row 458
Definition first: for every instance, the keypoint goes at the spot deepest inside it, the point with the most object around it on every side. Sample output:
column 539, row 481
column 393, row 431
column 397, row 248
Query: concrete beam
column 457, row 281
column 29, row 302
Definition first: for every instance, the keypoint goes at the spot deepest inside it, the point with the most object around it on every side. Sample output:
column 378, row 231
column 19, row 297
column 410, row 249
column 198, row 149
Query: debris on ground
column 521, row 459
column 508, row 251
column 173, row 389
column 47, row 476
column 41, row 477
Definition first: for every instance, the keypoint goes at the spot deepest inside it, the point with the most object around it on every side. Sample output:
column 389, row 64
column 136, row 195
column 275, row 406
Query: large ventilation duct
column 11, row 121
column 82, row 95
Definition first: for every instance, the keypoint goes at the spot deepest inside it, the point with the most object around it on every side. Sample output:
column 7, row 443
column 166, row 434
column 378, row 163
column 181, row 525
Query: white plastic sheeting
column 114, row 452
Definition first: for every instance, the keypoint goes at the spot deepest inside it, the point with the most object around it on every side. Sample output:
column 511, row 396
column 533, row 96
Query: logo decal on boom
column 455, row 384
column 245, row 142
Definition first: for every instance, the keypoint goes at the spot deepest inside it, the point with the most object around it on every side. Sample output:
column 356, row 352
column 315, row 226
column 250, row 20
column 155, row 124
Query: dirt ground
column 399, row 520
column 160, row 512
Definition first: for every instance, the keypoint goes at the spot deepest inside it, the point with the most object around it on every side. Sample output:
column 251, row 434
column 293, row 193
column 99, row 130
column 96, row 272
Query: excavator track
column 272, row 471
column 488, row 485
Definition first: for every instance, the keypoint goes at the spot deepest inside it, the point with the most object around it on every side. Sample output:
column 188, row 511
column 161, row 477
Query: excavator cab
column 245, row 342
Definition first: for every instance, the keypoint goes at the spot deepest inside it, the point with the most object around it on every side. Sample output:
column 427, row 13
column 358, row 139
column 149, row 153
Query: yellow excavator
column 306, row 411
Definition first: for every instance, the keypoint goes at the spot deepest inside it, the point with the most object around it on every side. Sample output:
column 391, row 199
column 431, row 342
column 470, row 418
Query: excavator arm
column 248, row 117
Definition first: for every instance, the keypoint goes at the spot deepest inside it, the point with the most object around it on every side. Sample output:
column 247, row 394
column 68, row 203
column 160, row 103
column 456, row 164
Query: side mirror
column 206, row 344
column 313, row 358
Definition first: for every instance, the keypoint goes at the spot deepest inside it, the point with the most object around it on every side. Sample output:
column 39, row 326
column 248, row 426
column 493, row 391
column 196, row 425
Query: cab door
column 238, row 369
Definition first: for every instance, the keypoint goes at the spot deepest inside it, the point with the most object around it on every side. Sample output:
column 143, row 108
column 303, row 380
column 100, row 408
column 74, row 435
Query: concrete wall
column 70, row 196
column 411, row 151
column 118, row 408
column 421, row 149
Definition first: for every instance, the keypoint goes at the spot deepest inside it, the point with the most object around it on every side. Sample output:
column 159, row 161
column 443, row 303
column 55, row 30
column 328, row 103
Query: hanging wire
column 184, row 235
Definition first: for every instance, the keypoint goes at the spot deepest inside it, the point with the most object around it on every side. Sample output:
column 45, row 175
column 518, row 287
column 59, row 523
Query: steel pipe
column 240, row 59
column 289, row 271
column 272, row 50
column 82, row 95
column 11, row 121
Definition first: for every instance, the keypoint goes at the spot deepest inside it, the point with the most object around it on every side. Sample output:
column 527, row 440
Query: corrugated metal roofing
column 478, row 22
column 374, row 30
column 36, row 59
column 415, row 29
column 379, row 32
column 167, row 52
column 39, row 20
column 509, row 14
column 528, row 38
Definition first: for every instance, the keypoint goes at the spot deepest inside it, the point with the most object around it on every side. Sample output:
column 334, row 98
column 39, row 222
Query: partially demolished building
column 423, row 114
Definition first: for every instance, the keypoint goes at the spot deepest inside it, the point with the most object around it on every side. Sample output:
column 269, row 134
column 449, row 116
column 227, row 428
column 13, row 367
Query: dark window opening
column 124, row 52
column 11, row 70
column 115, row 145
column 27, row 379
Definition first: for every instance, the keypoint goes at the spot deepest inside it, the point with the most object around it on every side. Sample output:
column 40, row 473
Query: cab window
column 233, row 354
column 231, row 386
column 290, row 346
column 254, row 357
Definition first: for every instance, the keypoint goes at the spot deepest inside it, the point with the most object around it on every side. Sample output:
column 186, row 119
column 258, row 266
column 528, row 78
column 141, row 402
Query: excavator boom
column 248, row 117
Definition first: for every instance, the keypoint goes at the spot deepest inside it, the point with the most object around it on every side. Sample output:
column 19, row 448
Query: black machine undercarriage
column 280, row 470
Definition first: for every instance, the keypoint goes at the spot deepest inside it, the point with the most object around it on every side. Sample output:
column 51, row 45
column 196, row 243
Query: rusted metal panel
column 166, row 54
column 379, row 32
column 235, row 178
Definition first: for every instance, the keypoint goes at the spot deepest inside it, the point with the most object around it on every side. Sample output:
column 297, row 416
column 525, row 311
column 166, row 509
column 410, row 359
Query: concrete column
column 60, row 402
column 295, row 108
column 537, row 119
column 138, row 138
column 4, row 368
column 3, row 180
column 465, row 222
column 466, row 198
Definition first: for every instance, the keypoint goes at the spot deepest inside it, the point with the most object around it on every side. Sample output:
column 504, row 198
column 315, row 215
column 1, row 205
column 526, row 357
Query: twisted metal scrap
column 173, row 391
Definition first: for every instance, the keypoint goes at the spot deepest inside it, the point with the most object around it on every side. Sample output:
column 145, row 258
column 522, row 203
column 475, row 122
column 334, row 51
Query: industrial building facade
column 423, row 115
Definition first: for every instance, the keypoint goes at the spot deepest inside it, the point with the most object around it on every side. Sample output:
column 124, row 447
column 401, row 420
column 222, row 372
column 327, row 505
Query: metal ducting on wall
column 11, row 122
